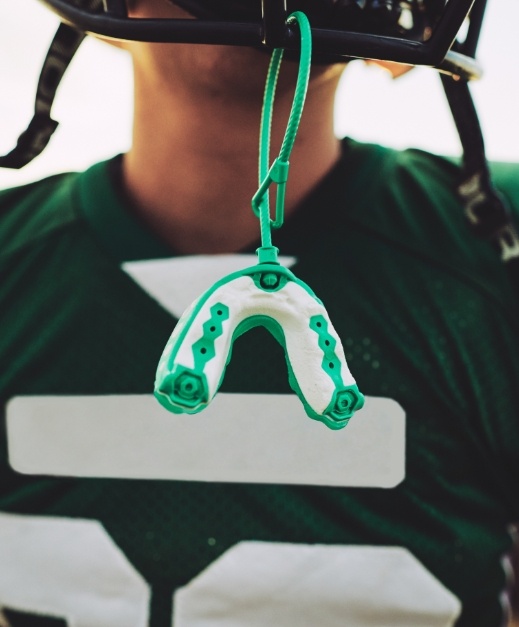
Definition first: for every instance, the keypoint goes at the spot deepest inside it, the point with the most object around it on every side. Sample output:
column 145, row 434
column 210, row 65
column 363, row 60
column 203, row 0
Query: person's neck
column 192, row 170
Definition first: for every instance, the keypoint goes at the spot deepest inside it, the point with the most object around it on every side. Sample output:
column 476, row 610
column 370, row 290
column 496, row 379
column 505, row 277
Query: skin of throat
column 193, row 165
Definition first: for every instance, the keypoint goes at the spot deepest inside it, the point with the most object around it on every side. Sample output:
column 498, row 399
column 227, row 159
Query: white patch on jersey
column 70, row 569
column 263, row 438
column 293, row 585
column 175, row 283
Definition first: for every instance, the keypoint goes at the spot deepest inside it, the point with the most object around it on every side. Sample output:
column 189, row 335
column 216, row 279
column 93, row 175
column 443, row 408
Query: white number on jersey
column 72, row 569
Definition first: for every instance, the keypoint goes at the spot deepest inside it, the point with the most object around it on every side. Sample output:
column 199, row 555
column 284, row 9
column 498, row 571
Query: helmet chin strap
column 37, row 135
column 486, row 210
column 62, row 49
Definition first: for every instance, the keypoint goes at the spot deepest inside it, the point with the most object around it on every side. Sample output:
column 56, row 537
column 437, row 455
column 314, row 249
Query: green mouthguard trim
column 203, row 350
column 331, row 363
column 187, row 391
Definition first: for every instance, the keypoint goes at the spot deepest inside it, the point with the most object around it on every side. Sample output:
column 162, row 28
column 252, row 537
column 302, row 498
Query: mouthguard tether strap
column 193, row 363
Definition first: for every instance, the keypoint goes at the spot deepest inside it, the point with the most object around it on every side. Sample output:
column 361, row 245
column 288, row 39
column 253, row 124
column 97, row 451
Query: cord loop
column 278, row 172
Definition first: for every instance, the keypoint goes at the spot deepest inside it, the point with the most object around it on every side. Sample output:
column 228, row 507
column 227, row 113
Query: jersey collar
column 110, row 216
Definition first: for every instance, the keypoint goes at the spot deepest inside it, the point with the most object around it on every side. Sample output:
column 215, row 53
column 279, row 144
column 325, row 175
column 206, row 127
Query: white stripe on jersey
column 256, row 438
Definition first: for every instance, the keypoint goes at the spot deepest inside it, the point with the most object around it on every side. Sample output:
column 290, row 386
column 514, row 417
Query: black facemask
column 412, row 19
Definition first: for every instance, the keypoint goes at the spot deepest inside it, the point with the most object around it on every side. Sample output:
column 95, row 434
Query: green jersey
column 114, row 513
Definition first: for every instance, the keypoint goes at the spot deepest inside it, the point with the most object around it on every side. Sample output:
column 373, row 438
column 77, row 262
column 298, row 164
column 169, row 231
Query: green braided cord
column 264, row 147
column 278, row 172
column 303, row 78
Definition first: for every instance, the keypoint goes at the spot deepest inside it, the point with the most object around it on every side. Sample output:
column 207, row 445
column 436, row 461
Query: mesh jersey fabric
column 426, row 316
